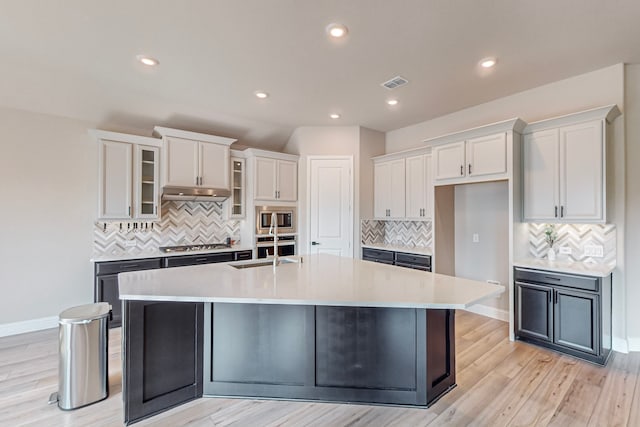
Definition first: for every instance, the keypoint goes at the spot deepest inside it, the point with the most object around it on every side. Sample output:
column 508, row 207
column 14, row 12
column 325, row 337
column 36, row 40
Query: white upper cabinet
column 194, row 159
column 487, row 155
column 181, row 162
column 541, row 175
column 419, row 187
column 484, row 157
column 128, row 176
column 115, row 185
column 275, row 175
column 565, row 167
column 449, row 161
column 389, row 189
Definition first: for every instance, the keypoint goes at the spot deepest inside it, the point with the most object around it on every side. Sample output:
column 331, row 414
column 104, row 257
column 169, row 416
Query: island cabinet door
column 163, row 347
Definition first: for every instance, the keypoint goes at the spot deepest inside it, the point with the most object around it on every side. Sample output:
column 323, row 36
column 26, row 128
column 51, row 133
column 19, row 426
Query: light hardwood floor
column 499, row 383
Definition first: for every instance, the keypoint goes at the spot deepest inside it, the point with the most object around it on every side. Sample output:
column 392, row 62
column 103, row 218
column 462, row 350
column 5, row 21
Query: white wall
column 483, row 209
column 595, row 89
column 48, row 203
column 632, row 116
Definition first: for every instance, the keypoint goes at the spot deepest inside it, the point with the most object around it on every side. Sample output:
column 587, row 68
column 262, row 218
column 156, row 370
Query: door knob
column 315, row 243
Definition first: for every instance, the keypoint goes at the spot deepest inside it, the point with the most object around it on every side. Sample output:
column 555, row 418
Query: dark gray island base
column 179, row 351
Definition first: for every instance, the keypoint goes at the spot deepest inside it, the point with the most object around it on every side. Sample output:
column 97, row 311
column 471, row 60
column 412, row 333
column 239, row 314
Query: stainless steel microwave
column 286, row 216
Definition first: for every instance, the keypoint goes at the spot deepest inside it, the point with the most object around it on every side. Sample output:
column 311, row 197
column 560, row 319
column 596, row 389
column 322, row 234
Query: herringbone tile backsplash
column 182, row 223
column 576, row 236
column 400, row 233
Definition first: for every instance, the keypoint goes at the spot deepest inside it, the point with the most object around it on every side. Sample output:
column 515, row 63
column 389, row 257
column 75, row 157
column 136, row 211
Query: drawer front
column 114, row 267
column 413, row 266
column 242, row 255
column 179, row 261
column 586, row 283
column 377, row 254
column 417, row 260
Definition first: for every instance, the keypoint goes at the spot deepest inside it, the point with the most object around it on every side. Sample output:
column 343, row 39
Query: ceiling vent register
column 395, row 82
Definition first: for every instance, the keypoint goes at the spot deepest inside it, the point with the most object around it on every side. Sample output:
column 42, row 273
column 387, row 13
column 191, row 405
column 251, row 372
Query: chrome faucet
column 273, row 231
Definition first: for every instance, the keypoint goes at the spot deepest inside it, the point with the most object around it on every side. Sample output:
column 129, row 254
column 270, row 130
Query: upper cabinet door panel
column 181, row 162
column 416, row 195
column 382, row 189
column 541, row 160
column 214, row 165
column 397, row 195
column 581, row 170
column 487, row 155
column 265, row 178
column 449, row 161
column 287, row 181
column 115, row 180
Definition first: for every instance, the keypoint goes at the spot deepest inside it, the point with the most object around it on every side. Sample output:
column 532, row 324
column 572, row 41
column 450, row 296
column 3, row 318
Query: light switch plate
column 476, row 238
column 594, row 251
column 566, row 250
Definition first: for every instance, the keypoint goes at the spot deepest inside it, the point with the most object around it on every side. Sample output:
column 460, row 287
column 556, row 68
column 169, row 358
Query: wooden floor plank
column 614, row 404
column 499, row 382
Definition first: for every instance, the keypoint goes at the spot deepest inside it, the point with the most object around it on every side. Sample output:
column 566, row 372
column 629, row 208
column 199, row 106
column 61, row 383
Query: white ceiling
column 76, row 58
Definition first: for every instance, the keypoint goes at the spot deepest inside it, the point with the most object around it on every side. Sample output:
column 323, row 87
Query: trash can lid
column 85, row 313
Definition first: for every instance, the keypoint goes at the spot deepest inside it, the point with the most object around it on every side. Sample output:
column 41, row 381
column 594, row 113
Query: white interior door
column 331, row 216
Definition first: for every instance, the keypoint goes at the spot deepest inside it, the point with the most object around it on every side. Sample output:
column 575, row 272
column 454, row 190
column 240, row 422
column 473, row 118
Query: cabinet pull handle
column 555, row 297
column 131, row 266
column 561, row 211
column 550, row 297
column 201, row 259
column 552, row 278
column 461, row 170
column 469, row 168
column 155, row 210
column 129, row 210
column 556, row 211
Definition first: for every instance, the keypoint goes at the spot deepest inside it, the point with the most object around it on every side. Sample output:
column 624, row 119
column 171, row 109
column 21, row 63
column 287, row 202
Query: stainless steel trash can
column 82, row 372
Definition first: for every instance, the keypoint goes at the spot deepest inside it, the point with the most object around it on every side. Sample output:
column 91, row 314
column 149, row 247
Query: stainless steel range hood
column 195, row 194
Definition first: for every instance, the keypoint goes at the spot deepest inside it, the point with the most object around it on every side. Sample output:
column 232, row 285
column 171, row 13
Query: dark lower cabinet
column 400, row 259
column 106, row 282
column 346, row 354
column 568, row 313
column 163, row 347
column 106, row 274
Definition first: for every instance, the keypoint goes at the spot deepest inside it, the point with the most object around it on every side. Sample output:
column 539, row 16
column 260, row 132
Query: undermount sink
column 265, row 262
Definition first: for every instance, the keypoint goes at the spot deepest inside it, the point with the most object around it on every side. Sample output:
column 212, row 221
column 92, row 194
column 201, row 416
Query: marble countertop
column 158, row 254
column 397, row 248
column 564, row 266
column 318, row 280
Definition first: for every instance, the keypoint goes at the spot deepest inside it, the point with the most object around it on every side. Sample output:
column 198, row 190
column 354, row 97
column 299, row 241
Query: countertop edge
column 594, row 270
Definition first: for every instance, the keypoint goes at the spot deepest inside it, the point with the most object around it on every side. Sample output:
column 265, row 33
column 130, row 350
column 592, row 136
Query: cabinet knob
column 469, row 168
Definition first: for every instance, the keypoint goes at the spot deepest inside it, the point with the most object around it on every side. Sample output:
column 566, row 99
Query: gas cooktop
column 193, row 248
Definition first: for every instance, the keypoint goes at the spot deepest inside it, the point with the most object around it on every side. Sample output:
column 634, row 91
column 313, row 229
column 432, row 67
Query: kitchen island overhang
column 329, row 328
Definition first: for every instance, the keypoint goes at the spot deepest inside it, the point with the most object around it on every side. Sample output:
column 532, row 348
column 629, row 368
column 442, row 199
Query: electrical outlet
column 476, row 238
column 565, row 250
column 129, row 243
column 594, row 251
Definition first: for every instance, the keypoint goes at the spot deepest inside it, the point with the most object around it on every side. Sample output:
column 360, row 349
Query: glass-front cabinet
column 147, row 182
column 237, row 206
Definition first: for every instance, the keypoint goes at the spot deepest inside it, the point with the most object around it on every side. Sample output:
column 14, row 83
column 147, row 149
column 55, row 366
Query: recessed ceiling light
column 147, row 60
column 261, row 94
column 488, row 62
column 334, row 116
column 392, row 101
column 337, row 30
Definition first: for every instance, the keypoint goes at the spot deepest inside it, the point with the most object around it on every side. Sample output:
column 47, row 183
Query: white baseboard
column 16, row 328
column 494, row 313
column 634, row 344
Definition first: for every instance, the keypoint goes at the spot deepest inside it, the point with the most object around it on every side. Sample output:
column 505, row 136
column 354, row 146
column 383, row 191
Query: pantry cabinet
column 565, row 168
column 275, row 176
column 195, row 159
column 484, row 156
column 128, row 176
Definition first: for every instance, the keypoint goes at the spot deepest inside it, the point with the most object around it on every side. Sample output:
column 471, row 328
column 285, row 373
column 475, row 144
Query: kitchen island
column 327, row 328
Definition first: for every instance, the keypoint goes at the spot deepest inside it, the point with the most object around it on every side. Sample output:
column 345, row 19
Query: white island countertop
column 318, row 280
